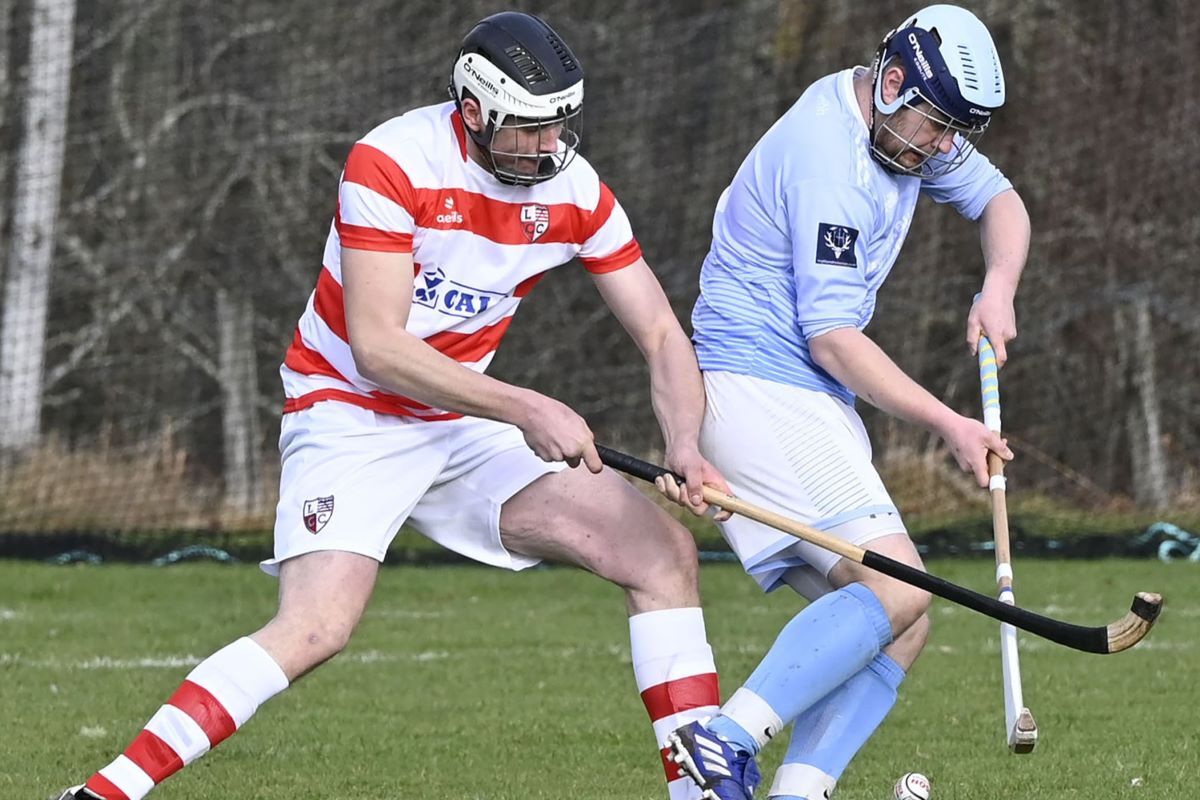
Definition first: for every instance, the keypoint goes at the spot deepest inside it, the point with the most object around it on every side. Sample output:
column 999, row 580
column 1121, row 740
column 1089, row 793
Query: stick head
column 1147, row 605
column 1133, row 627
column 1023, row 737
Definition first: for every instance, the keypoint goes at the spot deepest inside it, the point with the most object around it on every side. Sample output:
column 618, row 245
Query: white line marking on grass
column 376, row 656
column 181, row 662
column 7, row 614
column 407, row 613
column 92, row 732
column 164, row 662
column 100, row 662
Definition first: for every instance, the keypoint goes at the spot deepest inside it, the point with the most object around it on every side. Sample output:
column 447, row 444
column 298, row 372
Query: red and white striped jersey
column 478, row 247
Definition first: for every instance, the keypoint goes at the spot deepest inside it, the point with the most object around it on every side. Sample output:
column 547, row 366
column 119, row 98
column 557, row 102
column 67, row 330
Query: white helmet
column 952, row 77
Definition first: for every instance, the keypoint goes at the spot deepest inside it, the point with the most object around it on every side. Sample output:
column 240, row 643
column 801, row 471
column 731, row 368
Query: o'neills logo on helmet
column 483, row 80
column 558, row 98
column 919, row 56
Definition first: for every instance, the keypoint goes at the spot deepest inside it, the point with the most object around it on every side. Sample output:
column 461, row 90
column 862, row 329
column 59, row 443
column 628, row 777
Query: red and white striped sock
column 677, row 678
column 217, row 698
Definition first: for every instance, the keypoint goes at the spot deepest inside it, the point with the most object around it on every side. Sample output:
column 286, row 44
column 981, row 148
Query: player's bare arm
column 378, row 297
column 677, row 393
column 1004, row 237
column 853, row 358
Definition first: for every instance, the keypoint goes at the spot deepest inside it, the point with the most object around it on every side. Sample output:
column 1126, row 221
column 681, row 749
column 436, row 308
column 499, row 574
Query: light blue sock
column 829, row 734
column 817, row 651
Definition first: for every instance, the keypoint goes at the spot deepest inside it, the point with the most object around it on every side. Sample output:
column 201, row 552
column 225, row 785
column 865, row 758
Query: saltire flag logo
column 535, row 220
column 317, row 512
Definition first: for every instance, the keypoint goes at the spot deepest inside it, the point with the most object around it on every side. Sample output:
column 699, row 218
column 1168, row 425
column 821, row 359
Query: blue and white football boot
column 723, row 772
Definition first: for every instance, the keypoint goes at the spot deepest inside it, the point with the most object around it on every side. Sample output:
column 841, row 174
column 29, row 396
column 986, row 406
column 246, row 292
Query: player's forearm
column 861, row 365
column 676, row 389
column 403, row 364
column 1004, row 237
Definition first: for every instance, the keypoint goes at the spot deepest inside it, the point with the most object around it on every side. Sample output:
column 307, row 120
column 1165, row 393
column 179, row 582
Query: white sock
column 676, row 677
column 217, row 698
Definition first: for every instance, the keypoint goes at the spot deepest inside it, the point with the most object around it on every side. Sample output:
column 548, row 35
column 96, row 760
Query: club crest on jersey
column 434, row 290
column 535, row 220
column 317, row 512
column 835, row 245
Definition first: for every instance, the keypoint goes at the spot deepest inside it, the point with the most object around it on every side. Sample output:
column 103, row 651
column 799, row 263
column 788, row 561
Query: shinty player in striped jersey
column 447, row 215
column 803, row 238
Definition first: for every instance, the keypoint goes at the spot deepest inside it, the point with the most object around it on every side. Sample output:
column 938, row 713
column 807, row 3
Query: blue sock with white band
column 827, row 736
column 822, row 647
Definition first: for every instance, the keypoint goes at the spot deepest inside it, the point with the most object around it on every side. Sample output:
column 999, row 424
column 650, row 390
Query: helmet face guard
column 526, row 151
column 949, row 99
column 529, row 87
column 933, row 163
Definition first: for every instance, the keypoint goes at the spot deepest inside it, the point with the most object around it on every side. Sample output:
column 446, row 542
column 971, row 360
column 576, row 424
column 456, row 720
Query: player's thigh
column 807, row 581
column 799, row 453
column 498, row 503
column 598, row 522
column 489, row 463
column 905, row 604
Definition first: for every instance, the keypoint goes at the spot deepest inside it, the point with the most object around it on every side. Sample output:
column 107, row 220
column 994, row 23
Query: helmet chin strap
column 871, row 127
column 877, row 70
column 876, row 77
column 483, row 143
column 482, row 139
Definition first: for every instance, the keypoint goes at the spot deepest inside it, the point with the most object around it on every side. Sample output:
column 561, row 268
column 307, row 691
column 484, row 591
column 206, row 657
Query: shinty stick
column 1112, row 638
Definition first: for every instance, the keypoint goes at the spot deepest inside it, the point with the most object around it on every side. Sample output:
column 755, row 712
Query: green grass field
column 471, row 683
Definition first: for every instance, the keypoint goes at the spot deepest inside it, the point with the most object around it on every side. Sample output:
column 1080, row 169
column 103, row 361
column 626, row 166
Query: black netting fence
column 169, row 171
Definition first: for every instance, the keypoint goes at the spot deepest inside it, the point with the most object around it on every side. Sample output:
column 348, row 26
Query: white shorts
column 352, row 477
column 803, row 454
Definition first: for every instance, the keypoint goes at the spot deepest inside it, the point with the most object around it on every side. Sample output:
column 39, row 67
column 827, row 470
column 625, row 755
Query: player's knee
column 913, row 605
column 320, row 640
column 677, row 555
column 917, row 634
column 665, row 572
column 905, row 604
column 908, row 644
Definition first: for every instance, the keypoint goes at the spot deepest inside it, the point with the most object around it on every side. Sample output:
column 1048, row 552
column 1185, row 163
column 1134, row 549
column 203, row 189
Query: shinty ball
column 913, row 786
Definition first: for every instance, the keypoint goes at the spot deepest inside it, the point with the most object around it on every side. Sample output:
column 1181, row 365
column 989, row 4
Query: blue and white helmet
column 952, row 77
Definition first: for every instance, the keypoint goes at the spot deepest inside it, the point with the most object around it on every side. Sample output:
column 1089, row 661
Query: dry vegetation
column 150, row 485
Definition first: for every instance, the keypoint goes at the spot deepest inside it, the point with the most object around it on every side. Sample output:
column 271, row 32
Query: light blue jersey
column 806, row 234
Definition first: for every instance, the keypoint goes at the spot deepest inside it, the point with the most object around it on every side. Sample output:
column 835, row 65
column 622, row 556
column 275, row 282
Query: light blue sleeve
column 830, row 226
column 970, row 187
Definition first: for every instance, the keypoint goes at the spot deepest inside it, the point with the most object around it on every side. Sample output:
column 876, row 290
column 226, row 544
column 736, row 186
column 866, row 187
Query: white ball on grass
column 913, row 786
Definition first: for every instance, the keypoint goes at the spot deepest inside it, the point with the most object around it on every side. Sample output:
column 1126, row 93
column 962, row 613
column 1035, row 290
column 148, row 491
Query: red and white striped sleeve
column 609, row 245
column 376, row 203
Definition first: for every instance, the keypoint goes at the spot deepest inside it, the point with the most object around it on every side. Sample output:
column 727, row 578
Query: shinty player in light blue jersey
column 802, row 240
